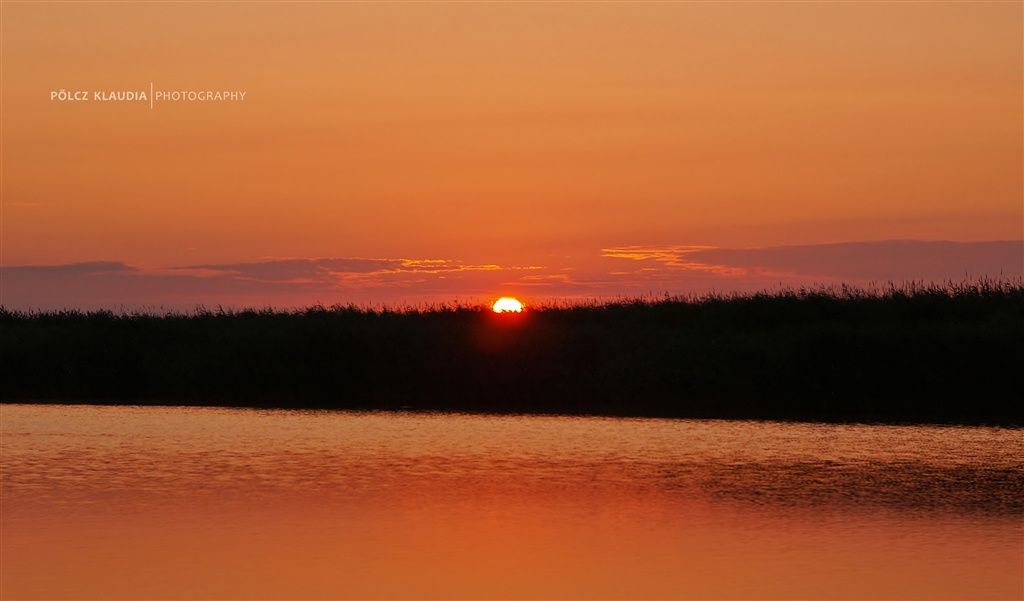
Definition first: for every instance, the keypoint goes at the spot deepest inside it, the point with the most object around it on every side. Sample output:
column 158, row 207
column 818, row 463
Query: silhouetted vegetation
column 901, row 354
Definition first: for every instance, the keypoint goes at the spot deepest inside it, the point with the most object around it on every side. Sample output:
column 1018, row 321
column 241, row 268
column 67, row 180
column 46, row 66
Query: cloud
column 71, row 270
column 673, row 258
column 276, row 282
column 292, row 270
column 850, row 261
column 612, row 272
column 328, row 271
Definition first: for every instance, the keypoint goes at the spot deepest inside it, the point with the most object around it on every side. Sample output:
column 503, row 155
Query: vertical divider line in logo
column 150, row 95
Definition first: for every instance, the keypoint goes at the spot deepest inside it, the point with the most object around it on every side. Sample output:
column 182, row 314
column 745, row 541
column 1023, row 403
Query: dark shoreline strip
column 938, row 354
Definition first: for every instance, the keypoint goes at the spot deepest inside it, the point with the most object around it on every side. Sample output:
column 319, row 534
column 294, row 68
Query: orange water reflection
column 108, row 502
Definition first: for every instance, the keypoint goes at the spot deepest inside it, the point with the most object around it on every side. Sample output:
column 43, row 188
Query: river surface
column 208, row 503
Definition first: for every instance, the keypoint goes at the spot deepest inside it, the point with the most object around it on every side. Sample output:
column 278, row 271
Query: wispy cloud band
column 618, row 271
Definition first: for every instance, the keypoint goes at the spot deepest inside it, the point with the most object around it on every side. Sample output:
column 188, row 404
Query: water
column 158, row 502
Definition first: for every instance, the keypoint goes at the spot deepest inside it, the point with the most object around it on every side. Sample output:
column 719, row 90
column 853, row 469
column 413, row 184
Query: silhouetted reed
column 908, row 353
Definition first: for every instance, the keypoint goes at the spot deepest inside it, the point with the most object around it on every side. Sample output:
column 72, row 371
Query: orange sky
column 504, row 136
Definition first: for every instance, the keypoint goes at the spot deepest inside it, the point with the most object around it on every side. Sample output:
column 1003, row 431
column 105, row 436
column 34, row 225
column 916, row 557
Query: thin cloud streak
column 627, row 271
column 850, row 261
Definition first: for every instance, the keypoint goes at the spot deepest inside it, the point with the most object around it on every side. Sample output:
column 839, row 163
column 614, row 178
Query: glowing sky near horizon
column 521, row 142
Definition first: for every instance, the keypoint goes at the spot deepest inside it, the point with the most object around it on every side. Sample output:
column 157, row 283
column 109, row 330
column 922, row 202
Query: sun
column 507, row 304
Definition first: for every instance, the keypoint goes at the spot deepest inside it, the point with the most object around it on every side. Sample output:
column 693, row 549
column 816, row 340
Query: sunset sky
column 410, row 152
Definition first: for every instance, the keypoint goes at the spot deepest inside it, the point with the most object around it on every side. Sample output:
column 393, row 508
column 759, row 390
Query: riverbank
column 948, row 354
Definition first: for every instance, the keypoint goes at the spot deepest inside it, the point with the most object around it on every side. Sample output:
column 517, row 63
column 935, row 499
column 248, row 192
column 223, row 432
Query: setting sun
column 507, row 305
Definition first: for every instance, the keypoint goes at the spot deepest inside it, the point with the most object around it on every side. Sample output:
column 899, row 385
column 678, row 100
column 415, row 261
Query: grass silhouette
column 911, row 353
